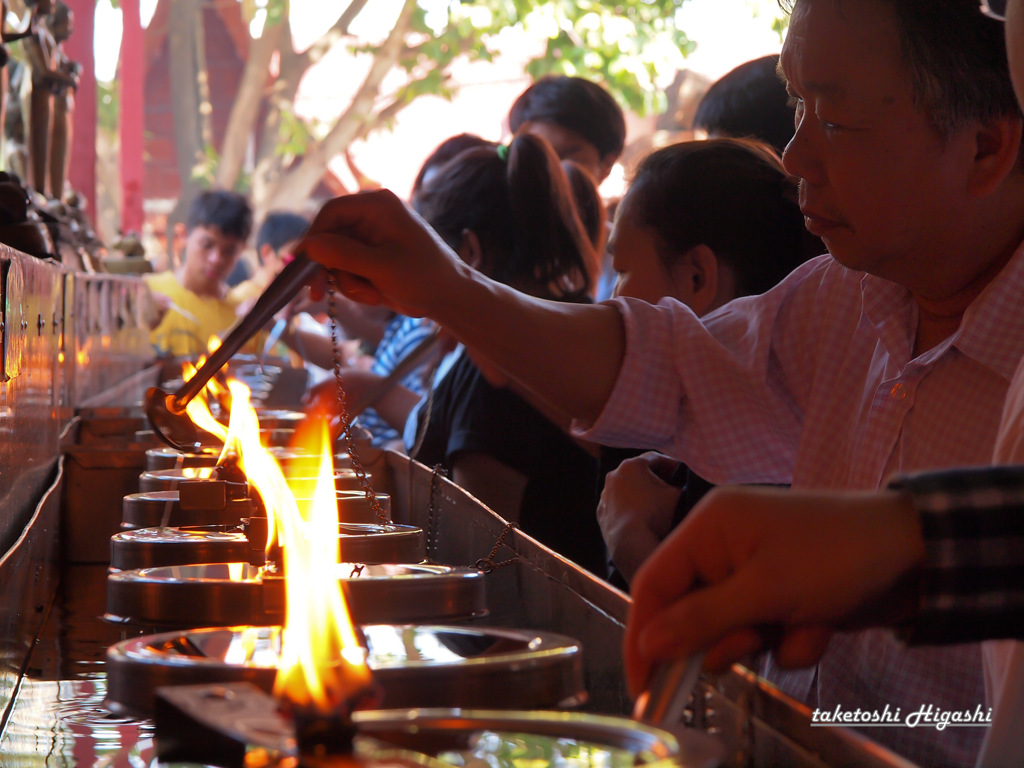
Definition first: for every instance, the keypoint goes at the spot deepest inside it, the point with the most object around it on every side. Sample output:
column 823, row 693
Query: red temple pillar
column 132, row 76
column 79, row 47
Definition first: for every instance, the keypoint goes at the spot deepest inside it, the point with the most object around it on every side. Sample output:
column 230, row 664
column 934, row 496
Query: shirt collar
column 991, row 332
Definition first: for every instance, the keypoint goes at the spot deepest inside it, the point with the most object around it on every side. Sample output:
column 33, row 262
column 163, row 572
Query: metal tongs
column 665, row 700
column 166, row 412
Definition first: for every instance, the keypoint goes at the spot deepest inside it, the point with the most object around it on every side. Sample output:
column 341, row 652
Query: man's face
column 569, row 145
column 209, row 257
column 877, row 183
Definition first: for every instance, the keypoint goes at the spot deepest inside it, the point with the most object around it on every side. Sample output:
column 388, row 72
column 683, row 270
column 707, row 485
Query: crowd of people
column 835, row 336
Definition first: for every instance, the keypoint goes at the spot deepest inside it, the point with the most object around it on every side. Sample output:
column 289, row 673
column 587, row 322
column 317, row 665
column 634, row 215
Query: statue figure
column 37, row 95
column 6, row 82
column 62, row 24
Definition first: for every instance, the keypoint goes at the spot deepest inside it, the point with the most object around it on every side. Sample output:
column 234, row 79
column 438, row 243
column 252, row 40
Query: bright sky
column 727, row 32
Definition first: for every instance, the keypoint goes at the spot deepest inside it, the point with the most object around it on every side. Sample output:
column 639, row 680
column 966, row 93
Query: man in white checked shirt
column 893, row 353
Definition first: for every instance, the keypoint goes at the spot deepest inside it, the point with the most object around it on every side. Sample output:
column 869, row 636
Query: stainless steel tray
column 445, row 666
column 226, row 594
column 155, row 547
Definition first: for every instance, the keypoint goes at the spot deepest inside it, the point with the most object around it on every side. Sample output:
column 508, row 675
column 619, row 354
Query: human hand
column 747, row 562
column 381, row 253
column 323, row 397
column 636, row 509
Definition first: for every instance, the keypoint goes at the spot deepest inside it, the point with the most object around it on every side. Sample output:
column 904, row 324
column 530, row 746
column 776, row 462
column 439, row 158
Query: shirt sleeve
column 971, row 584
column 724, row 393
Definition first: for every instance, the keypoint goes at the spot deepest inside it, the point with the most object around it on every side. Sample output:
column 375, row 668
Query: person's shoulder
column 161, row 280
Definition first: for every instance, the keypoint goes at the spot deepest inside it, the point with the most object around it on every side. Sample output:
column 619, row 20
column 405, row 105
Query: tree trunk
column 246, row 108
column 182, row 24
column 299, row 181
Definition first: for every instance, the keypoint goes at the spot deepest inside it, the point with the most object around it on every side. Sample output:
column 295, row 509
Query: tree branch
column 246, row 107
column 302, row 178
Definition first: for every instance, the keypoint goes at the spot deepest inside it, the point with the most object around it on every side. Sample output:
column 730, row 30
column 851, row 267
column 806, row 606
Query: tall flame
column 198, row 410
column 260, row 467
column 322, row 661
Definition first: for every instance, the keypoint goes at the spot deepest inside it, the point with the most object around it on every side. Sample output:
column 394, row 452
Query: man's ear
column 997, row 148
column 696, row 277
column 470, row 250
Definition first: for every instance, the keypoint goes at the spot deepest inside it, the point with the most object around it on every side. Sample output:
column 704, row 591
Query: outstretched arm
column 750, row 567
column 567, row 354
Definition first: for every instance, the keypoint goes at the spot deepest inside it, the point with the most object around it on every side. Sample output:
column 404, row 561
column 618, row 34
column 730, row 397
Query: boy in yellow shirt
column 195, row 294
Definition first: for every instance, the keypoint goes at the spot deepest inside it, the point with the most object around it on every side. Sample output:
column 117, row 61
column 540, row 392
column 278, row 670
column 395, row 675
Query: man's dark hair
column 956, row 57
column 575, row 104
column 731, row 195
column 749, row 101
column 280, row 228
column 227, row 211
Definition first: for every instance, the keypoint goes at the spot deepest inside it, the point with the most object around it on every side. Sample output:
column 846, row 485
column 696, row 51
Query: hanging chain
column 432, row 521
column 346, row 422
column 487, row 564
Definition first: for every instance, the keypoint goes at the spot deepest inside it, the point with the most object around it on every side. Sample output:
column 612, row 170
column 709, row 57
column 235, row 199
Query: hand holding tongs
column 664, row 701
column 166, row 412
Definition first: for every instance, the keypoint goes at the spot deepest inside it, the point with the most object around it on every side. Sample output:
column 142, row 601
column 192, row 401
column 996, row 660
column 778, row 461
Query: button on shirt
column 814, row 383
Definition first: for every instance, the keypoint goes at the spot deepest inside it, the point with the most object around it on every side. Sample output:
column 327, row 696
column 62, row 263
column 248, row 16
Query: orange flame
column 199, row 411
column 259, row 466
column 322, row 661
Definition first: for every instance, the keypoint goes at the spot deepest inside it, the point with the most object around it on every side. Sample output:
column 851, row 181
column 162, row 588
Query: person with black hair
column 195, row 294
column 510, row 212
column 583, row 124
column 703, row 222
column 277, row 234
column 893, row 352
column 577, row 117
column 749, row 101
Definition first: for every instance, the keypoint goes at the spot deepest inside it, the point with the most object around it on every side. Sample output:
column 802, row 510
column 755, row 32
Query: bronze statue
column 44, row 75
column 62, row 24
column 7, row 36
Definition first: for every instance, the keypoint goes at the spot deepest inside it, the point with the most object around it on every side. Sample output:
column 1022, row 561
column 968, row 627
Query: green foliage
column 205, row 171
column 780, row 25
column 108, row 106
column 622, row 43
column 293, row 134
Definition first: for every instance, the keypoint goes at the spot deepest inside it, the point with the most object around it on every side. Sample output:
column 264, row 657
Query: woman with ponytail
column 511, row 213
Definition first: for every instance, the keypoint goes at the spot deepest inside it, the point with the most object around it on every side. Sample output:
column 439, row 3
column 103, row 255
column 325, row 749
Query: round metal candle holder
column 187, row 545
column 414, row 665
column 163, row 508
column 166, row 457
column 157, row 547
column 168, row 479
column 453, row 736
column 226, row 594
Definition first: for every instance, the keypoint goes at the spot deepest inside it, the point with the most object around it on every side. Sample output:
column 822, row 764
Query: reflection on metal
column 156, row 547
column 345, row 480
column 224, row 594
column 168, row 458
column 196, row 722
column 164, row 508
column 30, row 409
column 415, row 665
column 28, row 577
column 15, row 324
column 187, row 545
